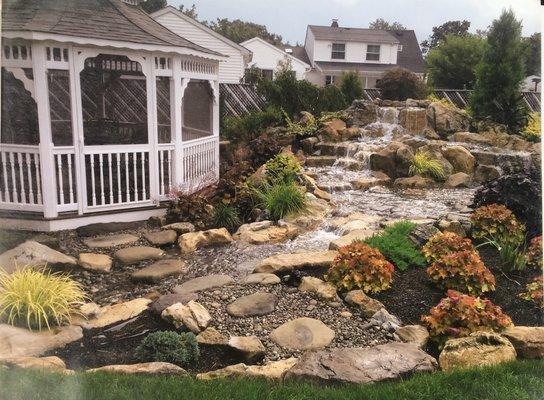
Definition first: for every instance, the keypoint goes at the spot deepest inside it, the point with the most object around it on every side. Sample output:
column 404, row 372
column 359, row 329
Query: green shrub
column 423, row 164
column 401, row 84
column 225, row 215
column 283, row 168
column 167, row 346
column 246, row 128
column 359, row 266
column 351, row 86
column 38, row 299
column 395, row 245
column 282, row 199
column 307, row 125
column 330, row 99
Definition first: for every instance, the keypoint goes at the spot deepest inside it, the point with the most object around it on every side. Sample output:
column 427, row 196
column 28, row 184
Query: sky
column 289, row 18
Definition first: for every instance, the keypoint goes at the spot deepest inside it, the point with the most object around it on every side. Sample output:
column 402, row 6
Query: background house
column 232, row 69
column 267, row 57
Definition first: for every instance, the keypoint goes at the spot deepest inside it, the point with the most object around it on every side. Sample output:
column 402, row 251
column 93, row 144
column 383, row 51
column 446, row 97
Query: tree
column 351, row 86
column 459, row 28
column 499, row 75
column 150, row 6
column 452, row 64
column 190, row 12
column 381, row 23
column 531, row 51
column 401, row 84
column 239, row 31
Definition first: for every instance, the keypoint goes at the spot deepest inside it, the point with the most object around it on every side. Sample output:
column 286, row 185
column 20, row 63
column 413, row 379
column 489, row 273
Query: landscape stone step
column 159, row 270
column 292, row 261
column 136, row 254
column 320, row 161
column 203, row 283
column 253, row 305
column 302, row 334
column 95, row 262
column 33, row 254
column 113, row 314
column 150, row 368
column 161, row 238
column 262, row 278
column 102, row 242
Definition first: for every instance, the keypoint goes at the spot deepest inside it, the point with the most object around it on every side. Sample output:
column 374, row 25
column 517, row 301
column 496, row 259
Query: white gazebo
column 104, row 113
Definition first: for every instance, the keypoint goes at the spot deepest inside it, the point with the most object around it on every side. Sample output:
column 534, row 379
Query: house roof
column 352, row 34
column 410, row 57
column 175, row 11
column 98, row 19
column 279, row 50
column 297, row 52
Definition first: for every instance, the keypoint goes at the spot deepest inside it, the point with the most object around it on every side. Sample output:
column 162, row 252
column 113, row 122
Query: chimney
column 334, row 23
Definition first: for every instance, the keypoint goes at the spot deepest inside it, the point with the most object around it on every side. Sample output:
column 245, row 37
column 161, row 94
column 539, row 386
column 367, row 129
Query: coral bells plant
column 463, row 271
column 359, row 266
column 459, row 315
column 534, row 291
column 533, row 256
column 496, row 222
column 445, row 243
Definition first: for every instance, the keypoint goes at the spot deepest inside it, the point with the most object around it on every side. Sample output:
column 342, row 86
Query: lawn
column 517, row 380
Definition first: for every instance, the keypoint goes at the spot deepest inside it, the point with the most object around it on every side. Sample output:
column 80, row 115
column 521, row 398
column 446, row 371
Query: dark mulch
column 117, row 345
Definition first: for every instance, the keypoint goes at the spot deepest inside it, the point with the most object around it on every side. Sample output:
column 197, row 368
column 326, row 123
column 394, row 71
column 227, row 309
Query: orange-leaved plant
column 463, row 271
column 459, row 315
column 445, row 243
column 534, row 291
column 533, row 256
column 496, row 222
column 359, row 266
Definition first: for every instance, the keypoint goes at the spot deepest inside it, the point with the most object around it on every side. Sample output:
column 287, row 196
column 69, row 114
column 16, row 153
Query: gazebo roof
column 112, row 20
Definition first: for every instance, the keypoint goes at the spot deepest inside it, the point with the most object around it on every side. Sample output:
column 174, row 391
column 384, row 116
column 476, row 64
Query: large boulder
column 478, row 349
column 413, row 119
column 416, row 181
column 252, row 305
column 460, row 158
column 150, row 368
column 447, row 119
column 293, row 261
column 191, row 241
column 366, row 304
column 192, row 315
column 166, row 300
column 302, row 334
column 527, row 340
column 416, row 334
column 249, row 347
column 273, row 370
column 33, row 254
column 459, row 179
column 362, row 112
column 265, row 232
column 486, row 173
column 394, row 160
column 362, row 365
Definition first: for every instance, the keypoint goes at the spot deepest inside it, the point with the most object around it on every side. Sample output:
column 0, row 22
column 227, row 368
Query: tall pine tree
column 497, row 93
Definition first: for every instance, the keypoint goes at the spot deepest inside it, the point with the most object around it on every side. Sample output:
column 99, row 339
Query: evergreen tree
column 351, row 86
column 497, row 93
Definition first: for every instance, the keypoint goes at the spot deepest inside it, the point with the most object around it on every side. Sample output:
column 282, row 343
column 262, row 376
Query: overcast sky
column 289, row 18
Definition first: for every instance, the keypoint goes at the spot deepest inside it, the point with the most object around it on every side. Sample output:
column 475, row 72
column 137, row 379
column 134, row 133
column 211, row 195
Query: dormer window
column 338, row 51
column 373, row 52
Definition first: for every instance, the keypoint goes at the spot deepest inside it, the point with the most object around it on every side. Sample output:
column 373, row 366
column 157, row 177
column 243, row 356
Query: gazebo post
column 176, row 121
column 47, row 163
column 152, row 130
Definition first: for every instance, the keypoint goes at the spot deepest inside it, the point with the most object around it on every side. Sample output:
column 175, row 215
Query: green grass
column 520, row 380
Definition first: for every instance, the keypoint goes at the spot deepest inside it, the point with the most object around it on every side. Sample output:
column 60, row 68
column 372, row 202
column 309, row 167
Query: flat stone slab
column 104, row 242
column 19, row 342
column 159, row 270
column 362, row 365
column 302, row 334
column 180, row 227
column 136, row 254
column 203, row 283
column 261, row 278
column 272, row 370
column 113, row 314
column 95, row 262
column 161, row 238
column 253, row 305
column 33, row 254
column 166, row 300
column 151, row 368
column 292, row 261
column 53, row 363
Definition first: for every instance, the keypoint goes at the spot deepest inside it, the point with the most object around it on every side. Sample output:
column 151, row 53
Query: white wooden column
column 47, row 167
column 176, row 121
column 77, row 130
column 152, row 130
column 215, row 122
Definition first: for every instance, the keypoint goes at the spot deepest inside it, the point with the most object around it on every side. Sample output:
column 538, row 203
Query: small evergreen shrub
column 532, row 131
column 401, row 84
column 423, row 164
column 351, row 86
column 458, row 315
column 37, row 299
column 534, row 291
column 359, row 266
column 445, row 243
column 225, row 215
column 463, row 271
column 534, row 253
column 283, row 168
column 498, row 223
column 330, row 98
column 329, row 116
column 167, row 346
column 282, row 199
column 395, row 245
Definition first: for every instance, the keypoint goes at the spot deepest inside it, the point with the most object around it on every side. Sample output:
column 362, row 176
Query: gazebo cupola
column 104, row 111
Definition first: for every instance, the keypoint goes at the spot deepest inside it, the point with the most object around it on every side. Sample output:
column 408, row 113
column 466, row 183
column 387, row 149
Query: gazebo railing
column 200, row 158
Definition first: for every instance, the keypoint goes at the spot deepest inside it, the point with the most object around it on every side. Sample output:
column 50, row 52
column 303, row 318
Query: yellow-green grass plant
column 424, row 164
column 37, row 299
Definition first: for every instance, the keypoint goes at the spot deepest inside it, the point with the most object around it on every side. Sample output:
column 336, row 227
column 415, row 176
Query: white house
column 268, row 57
column 104, row 112
column 232, row 69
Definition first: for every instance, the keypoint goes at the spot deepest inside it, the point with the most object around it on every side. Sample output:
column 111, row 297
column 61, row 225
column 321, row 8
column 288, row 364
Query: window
column 267, row 74
column 338, row 51
column 373, row 52
column 400, row 47
column 329, row 79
